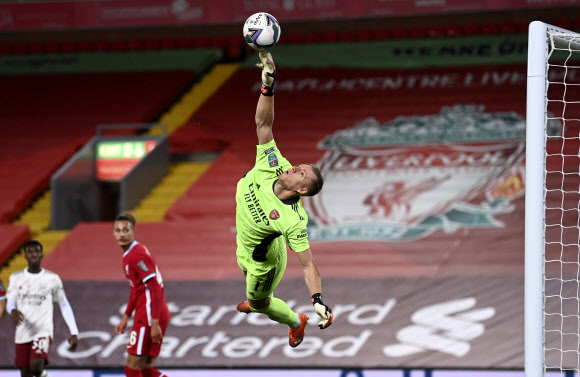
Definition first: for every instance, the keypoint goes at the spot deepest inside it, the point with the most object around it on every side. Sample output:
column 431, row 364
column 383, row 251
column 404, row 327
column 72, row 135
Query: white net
column 562, row 204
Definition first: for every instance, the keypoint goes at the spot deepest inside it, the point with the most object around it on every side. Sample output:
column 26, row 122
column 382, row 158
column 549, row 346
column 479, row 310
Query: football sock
column 280, row 312
column 152, row 372
column 133, row 372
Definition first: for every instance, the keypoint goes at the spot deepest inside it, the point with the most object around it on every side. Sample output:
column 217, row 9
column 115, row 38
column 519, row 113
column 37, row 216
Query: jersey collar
column 31, row 274
column 130, row 248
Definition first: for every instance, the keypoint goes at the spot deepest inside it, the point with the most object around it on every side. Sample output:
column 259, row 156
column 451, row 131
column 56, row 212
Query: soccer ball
column 261, row 31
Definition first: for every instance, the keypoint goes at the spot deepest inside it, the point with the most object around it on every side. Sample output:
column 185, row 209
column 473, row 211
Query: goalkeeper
column 269, row 215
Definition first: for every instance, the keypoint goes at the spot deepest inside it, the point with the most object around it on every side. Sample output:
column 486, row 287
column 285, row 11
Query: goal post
column 552, row 219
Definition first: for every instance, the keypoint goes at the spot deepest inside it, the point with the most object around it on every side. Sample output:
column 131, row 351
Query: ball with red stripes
column 262, row 31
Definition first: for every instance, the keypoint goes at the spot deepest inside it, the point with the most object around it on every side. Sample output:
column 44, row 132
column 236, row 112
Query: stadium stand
column 49, row 128
column 11, row 237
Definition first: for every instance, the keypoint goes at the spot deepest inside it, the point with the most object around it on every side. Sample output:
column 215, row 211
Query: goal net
column 552, row 292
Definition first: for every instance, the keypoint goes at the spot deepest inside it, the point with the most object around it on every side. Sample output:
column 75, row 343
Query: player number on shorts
column 133, row 338
column 40, row 345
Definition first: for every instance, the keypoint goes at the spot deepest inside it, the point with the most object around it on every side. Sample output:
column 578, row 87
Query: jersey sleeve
column 297, row 237
column 10, row 291
column 58, row 290
column 269, row 162
column 143, row 266
column 2, row 291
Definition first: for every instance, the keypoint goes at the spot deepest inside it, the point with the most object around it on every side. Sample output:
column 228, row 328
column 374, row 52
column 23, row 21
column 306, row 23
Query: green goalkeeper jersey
column 265, row 224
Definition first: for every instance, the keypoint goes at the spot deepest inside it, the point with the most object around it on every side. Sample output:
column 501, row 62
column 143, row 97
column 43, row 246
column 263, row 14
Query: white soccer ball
column 262, row 31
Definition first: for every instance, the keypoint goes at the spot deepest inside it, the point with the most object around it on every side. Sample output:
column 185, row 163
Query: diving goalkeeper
column 269, row 215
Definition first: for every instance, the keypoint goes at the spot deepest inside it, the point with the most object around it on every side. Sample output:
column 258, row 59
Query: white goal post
column 552, row 202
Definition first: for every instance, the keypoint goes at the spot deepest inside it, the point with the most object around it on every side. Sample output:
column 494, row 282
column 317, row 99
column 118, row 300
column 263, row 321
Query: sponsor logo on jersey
column 273, row 160
column 412, row 176
column 143, row 266
column 269, row 150
column 274, row 215
column 303, row 234
column 254, row 207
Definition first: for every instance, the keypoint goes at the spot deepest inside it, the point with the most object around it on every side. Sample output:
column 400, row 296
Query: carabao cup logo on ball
column 262, row 31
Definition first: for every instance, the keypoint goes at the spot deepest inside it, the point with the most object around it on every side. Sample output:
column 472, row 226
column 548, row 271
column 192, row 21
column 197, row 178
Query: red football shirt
column 147, row 297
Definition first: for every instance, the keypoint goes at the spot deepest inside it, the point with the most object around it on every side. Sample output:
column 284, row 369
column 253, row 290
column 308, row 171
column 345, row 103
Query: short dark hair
column 316, row 185
column 31, row 243
column 127, row 216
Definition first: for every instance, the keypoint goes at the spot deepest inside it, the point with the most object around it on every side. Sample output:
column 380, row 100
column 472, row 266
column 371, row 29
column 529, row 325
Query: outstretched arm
column 265, row 107
column 314, row 284
column 311, row 273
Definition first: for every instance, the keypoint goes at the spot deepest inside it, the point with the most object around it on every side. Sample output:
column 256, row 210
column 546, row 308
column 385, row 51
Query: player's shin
column 280, row 312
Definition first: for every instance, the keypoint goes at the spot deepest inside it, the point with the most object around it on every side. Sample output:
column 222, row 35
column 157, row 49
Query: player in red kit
column 147, row 299
column 2, row 299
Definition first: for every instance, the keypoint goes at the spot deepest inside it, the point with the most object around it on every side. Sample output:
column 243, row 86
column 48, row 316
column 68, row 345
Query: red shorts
column 37, row 349
column 140, row 340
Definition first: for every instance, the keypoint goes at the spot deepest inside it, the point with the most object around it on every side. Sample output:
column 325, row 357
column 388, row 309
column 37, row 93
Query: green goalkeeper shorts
column 260, row 285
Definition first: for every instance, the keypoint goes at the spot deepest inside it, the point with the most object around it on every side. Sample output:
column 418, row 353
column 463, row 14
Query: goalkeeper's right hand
column 322, row 310
column 268, row 72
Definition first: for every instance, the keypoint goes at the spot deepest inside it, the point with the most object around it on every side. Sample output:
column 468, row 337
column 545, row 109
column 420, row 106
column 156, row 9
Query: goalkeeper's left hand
column 268, row 68
column 322, row 310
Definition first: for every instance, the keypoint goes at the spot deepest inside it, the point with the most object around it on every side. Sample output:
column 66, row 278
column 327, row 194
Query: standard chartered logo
column 217, row 332
column 445, row 327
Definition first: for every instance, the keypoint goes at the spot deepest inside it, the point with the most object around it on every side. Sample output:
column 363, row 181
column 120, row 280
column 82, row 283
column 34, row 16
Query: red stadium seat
column 152, row 44
column 436, row 31
column 453, row 31
column 68, row 47
column 382, row 34
column 508, row 28
column 564, row 24
column 186, row 43
column 294, row 38
column 136, row 45
column 219, row 42
column 202, row 42
column 418, row 32
column 364, row 35
column 489, row 29
column 312, row 38
column 36, row 48
column 20, row 48
column 119, row 46
column 234, row 51
column 51, row 47
column 328, row 36
column 168, row 43
column 346, row 36
column 400, row 33
column 471, row 30
column 103, row 46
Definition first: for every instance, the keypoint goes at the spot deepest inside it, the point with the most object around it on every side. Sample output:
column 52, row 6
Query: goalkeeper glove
column 268, row 73
column 322, row 310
